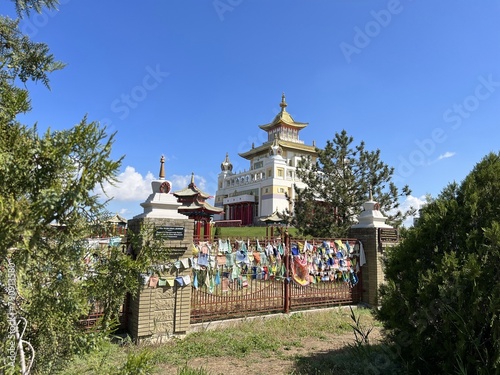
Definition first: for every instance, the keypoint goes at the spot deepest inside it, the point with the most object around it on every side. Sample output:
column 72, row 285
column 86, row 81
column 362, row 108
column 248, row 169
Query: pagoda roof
column 117, row 219
column 273, row 218
column 283, row 118
column 264, row 148
column 197, row 208
column 191, row 191
column 193, row 201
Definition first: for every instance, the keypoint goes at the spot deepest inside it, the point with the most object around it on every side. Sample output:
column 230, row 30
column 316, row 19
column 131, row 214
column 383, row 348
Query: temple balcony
column 239, row 199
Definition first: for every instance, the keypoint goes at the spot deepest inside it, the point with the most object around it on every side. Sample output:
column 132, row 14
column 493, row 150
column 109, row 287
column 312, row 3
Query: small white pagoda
column 371, row 217
column 161, row 203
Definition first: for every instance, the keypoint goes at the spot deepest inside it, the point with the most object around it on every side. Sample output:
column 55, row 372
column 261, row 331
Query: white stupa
column 371, row 217
column 161, row 203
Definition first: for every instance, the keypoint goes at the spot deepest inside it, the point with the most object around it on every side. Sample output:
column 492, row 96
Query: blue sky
column 192, row 80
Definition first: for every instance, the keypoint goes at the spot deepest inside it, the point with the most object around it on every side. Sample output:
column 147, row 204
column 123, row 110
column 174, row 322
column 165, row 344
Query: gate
column 247, row 279
column 97, row 311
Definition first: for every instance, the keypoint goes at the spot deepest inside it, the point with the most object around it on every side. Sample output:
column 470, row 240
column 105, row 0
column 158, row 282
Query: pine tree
column 337, row 184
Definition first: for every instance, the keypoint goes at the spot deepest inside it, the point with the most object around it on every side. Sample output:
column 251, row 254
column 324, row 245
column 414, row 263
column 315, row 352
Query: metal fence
column 97, row 312
column 295, row 275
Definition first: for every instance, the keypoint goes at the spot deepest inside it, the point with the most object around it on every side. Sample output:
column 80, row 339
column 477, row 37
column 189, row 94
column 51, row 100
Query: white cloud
column 124, row 212
column 181, row 182
column 447, row 154
column 131, row 186
column 134, row 187
column 415, row 202
column 410, row 201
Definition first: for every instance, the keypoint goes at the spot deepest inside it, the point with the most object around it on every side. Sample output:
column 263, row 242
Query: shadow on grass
column 366, row 359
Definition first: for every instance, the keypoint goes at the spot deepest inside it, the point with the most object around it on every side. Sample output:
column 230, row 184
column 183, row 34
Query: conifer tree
column 338, row 183
column 441, row 300
column 48, row 209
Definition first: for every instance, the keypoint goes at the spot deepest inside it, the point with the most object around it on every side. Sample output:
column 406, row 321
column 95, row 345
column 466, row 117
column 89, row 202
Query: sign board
column 169, row 233
column 388, row 235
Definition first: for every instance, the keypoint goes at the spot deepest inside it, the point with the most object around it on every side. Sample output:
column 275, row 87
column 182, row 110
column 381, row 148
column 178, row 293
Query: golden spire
column 283, row 102
column 162, row 168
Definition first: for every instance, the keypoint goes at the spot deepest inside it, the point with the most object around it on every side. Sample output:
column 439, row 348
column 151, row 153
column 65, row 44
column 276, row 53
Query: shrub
column 441, row 302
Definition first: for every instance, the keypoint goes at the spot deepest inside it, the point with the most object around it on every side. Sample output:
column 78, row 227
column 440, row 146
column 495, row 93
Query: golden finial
column 283, row 102
column 162, row 168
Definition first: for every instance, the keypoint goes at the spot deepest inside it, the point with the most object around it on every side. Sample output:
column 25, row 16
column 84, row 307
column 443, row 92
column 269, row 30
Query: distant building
column 259, row 192
column 118, row 223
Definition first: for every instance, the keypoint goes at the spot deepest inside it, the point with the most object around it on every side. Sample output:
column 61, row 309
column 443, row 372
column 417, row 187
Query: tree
column 442, row 297
column 47, row 210
column 337, row 184
column 26, row 6
column 23, row 60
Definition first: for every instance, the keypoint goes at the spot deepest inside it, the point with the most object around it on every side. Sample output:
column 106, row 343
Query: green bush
column 186, row 370
column 138, row 364
column 441, row 303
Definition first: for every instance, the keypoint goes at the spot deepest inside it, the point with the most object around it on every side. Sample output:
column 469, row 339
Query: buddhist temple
column 194, row 206
column 256, row 193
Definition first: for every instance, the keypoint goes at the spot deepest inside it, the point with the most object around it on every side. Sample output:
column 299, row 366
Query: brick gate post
column 163, row 310
column 375, row 236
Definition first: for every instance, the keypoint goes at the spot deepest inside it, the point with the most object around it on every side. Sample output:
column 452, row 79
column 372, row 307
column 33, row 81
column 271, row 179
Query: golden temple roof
column 285, row 145
column 283, row 118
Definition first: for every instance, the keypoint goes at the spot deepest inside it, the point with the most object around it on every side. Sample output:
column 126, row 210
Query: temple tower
column 258, row 191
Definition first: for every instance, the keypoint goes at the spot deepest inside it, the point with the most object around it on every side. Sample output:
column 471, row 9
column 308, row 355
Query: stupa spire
column 162, row 168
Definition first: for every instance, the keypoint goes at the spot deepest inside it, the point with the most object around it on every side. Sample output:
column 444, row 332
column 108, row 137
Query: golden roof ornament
column 226, row 165
column 283, row 118
column 283, row 104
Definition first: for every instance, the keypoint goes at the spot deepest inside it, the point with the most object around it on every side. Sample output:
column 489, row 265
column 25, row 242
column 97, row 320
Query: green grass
column 252, row 232
column 190, row 371
column 272, row 336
